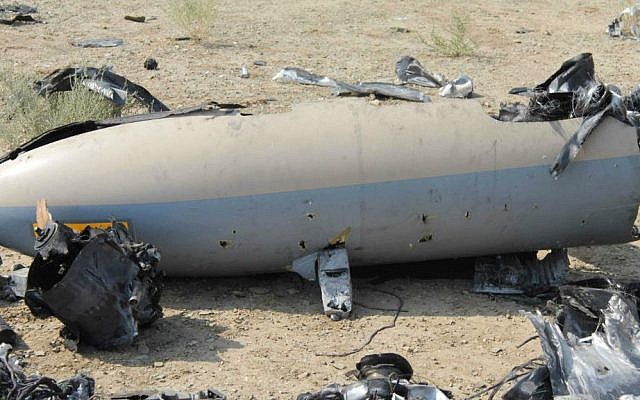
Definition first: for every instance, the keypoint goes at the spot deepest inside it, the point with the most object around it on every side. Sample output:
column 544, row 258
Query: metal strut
column 331, row 268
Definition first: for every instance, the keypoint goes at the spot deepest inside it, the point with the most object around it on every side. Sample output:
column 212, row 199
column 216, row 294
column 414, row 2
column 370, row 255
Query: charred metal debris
column 591, row 348
column 408, row 70
column 380, row 377
column 573, row 92
column 16, row 14
column 103, row 81
column 114, row 275
column 16, row 385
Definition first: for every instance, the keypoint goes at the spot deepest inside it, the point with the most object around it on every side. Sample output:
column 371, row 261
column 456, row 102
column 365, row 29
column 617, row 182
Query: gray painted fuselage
column 489, row 194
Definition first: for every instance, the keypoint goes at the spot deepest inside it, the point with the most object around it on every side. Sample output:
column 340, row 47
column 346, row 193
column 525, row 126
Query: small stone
column 158, row 364
column 304, row 375
column 260, row 63
column 497, row 350
column 39, row 353
column 151, row 64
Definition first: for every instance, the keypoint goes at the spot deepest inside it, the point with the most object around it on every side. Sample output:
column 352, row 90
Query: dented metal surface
column 413, row 181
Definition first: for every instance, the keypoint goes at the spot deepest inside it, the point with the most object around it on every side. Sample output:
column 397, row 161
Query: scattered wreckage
column 591, row 348
column 368, row 185
column 16, row 385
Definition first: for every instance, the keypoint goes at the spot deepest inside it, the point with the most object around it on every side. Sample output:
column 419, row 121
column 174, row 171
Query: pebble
column 158, row 364
column 39, row 353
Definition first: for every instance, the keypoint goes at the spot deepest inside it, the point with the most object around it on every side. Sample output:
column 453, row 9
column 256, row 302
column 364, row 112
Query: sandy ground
column 259, row 336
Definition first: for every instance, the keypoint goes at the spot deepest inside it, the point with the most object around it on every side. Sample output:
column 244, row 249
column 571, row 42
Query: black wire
column 374, row 333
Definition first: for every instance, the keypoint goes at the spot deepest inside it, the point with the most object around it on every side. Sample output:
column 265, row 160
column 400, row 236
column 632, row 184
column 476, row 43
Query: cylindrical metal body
column 408, row 182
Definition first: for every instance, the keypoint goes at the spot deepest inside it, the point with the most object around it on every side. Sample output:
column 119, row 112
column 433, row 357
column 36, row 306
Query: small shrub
column 193, row 17
column 456, row 43
column 24, row 114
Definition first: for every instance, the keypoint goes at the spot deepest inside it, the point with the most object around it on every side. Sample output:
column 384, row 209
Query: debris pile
column 591, row 350
column 16, row 385
column 297, row 75
column 380, row 376
column 115, row 277
column 408, row 70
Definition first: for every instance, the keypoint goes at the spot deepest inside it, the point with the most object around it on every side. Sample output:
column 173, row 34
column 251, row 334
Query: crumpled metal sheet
column 571, row 92
column 103, row 81
column 592, row 350
column 97, row 43
column 16, row 385
column 460, row 88
column 383, row 376
column 114, row 276
column 409, row 70
column 297, row 75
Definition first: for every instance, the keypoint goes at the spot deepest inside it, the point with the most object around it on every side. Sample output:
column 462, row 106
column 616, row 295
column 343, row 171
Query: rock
column 151, row 64
column 260, row 63
column 39, row 353
column 158, row 364
column 303, row 375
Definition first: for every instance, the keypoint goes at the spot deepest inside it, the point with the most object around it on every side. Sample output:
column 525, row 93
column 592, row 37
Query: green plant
column 193, row 17
column 25, row 114
column 456, row 43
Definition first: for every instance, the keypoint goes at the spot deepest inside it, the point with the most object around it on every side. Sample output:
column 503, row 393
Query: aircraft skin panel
column 470, row 214
column 316, row 146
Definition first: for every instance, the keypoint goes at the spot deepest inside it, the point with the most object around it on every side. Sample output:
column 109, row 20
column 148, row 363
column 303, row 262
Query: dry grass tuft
column 456, row 43
column 24, row 114
column 193, row 17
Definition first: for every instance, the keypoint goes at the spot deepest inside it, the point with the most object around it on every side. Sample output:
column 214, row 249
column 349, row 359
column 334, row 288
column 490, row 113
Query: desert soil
column 259, row 336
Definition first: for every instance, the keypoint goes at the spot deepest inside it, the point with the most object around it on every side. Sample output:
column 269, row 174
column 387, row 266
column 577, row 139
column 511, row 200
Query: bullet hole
column 225, row 243
column 302, row 244
column 583, row 222
column 424, row 217
column 425, row 238
column 467, row 214
column 310, row 216
column 506, row 207
column 234, row 231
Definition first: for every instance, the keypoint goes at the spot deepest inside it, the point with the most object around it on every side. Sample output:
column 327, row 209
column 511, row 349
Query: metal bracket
column 334, row 277
column 331, row 268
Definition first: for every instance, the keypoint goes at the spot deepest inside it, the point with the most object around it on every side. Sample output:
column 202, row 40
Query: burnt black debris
column 380, row 376
column 16, row 385
column 151, row 64
column 115, row 277
column 573, row 92
column 103, row 81
column 7, row 334
column 16, row 14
